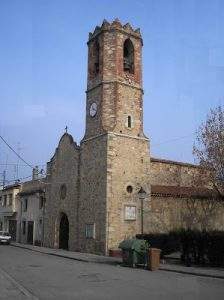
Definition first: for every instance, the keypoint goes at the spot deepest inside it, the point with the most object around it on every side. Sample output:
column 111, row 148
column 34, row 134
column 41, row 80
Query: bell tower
column 114, row 155
column 114, row 85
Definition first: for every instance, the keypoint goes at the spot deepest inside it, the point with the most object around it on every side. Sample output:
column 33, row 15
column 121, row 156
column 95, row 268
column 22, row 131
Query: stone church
column 109, row 188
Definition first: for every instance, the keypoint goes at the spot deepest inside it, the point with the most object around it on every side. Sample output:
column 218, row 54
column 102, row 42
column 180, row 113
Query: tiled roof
column 182, row 192
column 167, row 161
column 11, row 186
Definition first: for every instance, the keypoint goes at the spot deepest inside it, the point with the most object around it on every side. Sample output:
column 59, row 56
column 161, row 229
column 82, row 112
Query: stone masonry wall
column 62, row 169
column 169, row 213
column 128, row 165
column 92, row 205
column 129, row 103
column 164, row 172
column 94, row 125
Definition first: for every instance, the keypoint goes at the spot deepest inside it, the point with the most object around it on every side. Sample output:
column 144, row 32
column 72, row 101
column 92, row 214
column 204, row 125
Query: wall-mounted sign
column 130, row 212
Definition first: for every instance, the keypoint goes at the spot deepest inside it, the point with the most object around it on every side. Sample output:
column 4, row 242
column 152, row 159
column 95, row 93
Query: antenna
column 17, row 165
column 4, row 178
column 16, row 168
column 4, row 173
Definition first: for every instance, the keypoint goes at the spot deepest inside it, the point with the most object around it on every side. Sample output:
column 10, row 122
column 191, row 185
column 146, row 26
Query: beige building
column 93, row 198
column 30, row 225
column 9, row 205
column 22, row 210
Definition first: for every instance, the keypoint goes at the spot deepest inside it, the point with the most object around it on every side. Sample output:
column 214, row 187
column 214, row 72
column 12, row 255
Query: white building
column 9, row 206
column 30, row 226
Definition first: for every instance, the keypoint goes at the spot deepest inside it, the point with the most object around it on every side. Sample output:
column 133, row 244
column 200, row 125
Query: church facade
column 93, row 198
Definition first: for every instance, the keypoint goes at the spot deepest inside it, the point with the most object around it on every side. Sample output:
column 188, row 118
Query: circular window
column 63, row 191
column 129, row 189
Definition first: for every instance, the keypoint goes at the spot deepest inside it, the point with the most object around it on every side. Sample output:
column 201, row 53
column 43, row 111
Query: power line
column 42, row 172
column 16, row 153
column 173, row 140
column 20, row 165
column 19, row 179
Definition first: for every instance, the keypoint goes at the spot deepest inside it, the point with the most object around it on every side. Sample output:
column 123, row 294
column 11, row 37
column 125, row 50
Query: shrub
column 164, row 241
column 215, row 251
column 198, row 247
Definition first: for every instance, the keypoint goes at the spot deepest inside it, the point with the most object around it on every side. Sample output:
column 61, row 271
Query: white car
column 5, row 237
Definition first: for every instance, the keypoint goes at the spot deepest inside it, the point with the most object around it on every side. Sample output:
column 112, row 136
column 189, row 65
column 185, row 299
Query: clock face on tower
column 93, row 109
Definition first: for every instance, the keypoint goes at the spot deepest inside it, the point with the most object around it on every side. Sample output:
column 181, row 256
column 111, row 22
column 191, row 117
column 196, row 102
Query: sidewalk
column 195, row 270
column 84, row 257
column 92, row 258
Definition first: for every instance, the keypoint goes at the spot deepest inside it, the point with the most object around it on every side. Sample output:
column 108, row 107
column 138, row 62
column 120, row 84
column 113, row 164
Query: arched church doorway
column 64, row 232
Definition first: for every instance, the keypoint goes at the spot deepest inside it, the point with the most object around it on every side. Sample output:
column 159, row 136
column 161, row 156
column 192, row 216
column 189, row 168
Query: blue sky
column 43, row 65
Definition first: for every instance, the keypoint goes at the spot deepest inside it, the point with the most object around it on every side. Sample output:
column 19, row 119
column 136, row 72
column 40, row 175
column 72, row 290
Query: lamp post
column 142, row 195
column 43, row 216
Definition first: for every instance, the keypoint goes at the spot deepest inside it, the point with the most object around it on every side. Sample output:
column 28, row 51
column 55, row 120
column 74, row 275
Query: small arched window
column 129, row 122
column 96, row 57
column 128, row 56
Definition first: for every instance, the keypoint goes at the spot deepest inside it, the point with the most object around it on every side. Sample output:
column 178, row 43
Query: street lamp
column 43, row 216
column 142, row 195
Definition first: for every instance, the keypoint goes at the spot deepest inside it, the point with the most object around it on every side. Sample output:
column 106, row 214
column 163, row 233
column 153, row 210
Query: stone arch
column 96, row 56
column 62, row 231
column 128, row 56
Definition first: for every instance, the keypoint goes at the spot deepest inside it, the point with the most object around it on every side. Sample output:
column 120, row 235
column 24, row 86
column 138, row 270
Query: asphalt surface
column 26, row 274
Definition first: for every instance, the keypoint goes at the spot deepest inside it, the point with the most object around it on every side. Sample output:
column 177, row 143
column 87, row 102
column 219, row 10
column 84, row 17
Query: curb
column 104, row 262
column 52, row 254
column 192, row 273
column 65, row 256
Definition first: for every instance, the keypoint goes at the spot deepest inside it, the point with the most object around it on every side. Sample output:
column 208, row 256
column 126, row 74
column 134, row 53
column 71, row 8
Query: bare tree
column 202, row 208
column 201, row 213
column 209, row 147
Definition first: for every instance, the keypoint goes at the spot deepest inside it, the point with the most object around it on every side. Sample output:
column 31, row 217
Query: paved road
column 29, row 275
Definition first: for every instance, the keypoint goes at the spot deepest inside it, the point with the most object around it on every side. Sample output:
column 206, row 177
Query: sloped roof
column 183, row 192
column 11, row 186
column 173, row 162
column 32, row 187
column 63, row 137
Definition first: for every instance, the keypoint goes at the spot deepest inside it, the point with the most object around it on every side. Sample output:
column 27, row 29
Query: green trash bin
column 134, row 252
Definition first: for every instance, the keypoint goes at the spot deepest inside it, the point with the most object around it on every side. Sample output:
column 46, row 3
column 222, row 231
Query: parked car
column 5, row 237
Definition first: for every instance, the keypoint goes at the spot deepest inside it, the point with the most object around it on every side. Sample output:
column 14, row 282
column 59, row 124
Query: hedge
column 164, row 241
column 197, row 247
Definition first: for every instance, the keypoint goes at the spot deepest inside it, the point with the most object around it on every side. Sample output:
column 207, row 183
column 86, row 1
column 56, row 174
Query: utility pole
column 3, row 181
column 3, row 174
column 17, row 165
column 43, row 218
column 4, row 178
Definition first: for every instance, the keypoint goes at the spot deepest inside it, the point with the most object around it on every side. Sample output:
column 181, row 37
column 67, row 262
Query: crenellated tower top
column 114, row 83
column 117, row 25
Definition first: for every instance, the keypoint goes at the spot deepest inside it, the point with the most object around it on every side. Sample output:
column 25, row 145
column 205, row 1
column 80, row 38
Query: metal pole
column 44, row 201
column 142, row 195
column 142, row 216
column 4, row 178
